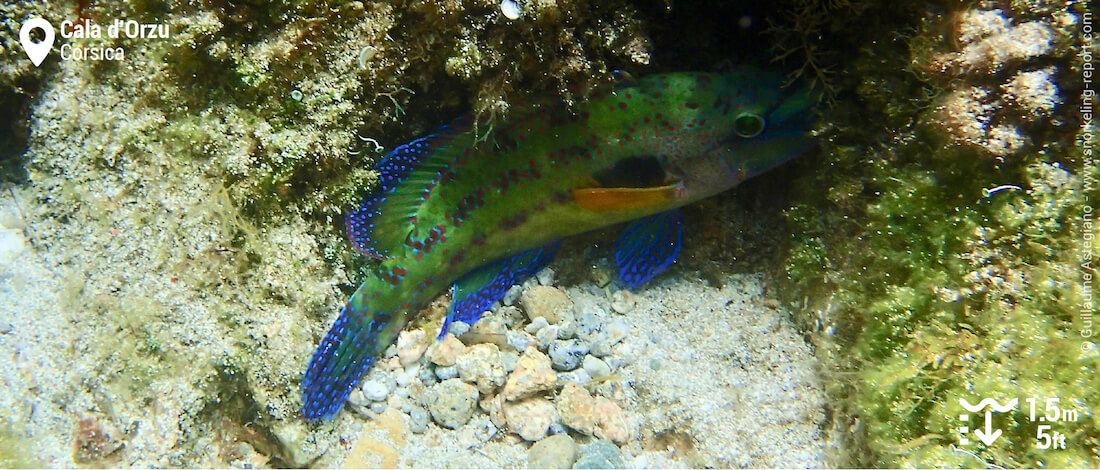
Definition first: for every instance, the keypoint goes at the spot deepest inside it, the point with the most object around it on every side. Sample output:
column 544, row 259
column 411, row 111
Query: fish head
column 753, row 123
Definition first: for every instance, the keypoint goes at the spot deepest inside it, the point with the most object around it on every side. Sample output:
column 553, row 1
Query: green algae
column 927, row 285
column 935, row 270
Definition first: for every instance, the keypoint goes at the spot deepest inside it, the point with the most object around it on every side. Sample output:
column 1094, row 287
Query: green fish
column 478, row 214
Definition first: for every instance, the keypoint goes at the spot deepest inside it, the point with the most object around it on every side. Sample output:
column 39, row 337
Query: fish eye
column 748, row 125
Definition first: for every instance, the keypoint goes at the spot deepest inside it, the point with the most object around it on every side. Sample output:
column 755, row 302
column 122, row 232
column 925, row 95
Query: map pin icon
column 37, row 51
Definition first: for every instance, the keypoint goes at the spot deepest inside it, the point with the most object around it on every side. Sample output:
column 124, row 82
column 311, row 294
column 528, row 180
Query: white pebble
column 374, row 390
column 545, row 277
column 537, row 324
column 512, row 295
column 596, row 367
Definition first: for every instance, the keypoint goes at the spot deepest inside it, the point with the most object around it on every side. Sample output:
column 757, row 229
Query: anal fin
column 476, row 292
column 648, row 246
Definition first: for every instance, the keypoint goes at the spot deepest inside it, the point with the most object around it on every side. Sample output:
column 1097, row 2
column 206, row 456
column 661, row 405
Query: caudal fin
column 346, row 352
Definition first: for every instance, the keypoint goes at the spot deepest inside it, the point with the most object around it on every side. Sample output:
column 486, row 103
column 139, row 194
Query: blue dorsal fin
column 376, row 232
column 476, row 292
column 648, row 246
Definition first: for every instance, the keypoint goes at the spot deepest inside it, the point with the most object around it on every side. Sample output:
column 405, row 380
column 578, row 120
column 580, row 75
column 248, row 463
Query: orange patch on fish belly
column 608, row 199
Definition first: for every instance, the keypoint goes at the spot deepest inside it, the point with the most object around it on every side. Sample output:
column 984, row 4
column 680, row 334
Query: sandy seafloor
column 712, row 376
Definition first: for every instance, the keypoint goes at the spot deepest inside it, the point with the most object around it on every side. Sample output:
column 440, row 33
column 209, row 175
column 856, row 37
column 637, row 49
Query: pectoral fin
column 608, row 199
column 648, row 246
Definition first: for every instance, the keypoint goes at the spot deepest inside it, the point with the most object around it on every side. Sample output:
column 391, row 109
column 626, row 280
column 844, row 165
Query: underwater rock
column 611, row 422
column 588, row 324
column 595, row 367
column 544, row 337
column 600, row 454
column 545, row 277
column 530, row 418
column 446, row 351
column 566, row 355
column 557, row 451
column 533, row 373
column 418, row 420
column 537, row 323
column 375, row 390
column 452, row 403
column 548, row 302
column 445, row 373
column 517, row 340
column 576, row 408
column 482, row 366
column 622, row 301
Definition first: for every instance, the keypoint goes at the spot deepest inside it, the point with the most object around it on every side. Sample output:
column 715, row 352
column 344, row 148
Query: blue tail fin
column 343, row 356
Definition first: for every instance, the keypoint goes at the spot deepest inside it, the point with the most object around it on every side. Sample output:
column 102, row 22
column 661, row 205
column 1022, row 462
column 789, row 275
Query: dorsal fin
column 374, row 232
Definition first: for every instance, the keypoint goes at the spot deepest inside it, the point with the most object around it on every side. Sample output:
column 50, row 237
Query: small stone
column 557, row 451
column 616, row 331
column 600, row 454
column 378, row 407
column 375, row 390
column 517, row 340
column 575, row 406
column 356, row 398
column 446, row 351
column 622, row 301
column 405, row 377
column 600, row 347
column 482, row 366
column 546, row 301
column 611, row 421
column 509, row 359
column 512, row 295
column 417, row 392
column 545, row 276
column 494, row 407
column 446, row 373
column 578, row 376
column 480, row 430
column 530, row 418
column 556, row 428
column 588, row 324
column 418, row 420
column 567, row 354
column 452, row 403
column 567, row 328
column 546, row 336
column 615, row 363
column 532, row 374
column 536, row 324
column 512, row 316
column 458, row 328
column 427, row 376
column 595, row 367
